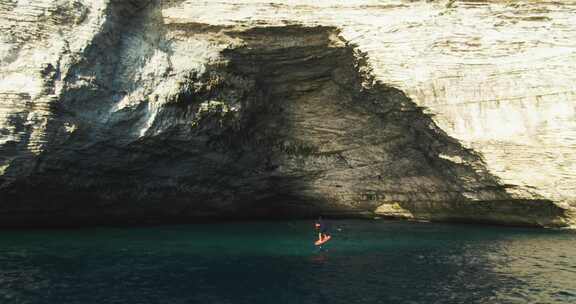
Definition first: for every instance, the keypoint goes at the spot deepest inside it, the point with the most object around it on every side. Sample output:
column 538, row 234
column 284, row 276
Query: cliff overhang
column 155, row 121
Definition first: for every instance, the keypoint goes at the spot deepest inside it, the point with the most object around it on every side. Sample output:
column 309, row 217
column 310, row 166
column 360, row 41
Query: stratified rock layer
column 133, row 111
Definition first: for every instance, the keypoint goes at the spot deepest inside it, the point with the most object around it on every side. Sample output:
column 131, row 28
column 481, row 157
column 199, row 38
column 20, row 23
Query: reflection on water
column 543, row 266
column 265, row 262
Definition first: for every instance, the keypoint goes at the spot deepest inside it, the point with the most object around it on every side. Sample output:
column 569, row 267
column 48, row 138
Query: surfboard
column 322, row 242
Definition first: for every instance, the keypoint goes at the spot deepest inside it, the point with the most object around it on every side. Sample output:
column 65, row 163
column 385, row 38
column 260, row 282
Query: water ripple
column 275, row 262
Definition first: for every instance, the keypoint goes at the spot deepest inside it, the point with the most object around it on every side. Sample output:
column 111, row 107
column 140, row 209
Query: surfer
column 322, row 229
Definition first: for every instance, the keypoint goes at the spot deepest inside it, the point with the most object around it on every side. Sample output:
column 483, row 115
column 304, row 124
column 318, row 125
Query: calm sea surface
column 275, row 262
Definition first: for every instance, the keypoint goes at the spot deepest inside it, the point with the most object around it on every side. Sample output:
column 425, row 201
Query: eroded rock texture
column 134, row 111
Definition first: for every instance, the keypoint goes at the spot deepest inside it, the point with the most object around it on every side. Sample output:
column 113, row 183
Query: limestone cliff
column 133, row 111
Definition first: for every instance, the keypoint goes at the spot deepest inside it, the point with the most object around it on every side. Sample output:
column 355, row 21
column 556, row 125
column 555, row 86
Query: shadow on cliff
column 335, row 141
column 317, row 134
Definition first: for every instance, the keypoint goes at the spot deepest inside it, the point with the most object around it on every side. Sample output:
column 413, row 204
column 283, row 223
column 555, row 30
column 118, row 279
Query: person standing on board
column 322, row 230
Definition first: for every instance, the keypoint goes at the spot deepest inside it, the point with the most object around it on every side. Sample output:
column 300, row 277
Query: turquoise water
column 275, row 262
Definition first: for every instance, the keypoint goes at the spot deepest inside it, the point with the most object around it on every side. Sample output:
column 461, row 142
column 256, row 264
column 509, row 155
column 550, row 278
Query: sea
column 366, row 261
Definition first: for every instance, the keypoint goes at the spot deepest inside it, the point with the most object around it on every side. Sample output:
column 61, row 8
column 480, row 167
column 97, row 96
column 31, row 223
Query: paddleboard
column 321, row 242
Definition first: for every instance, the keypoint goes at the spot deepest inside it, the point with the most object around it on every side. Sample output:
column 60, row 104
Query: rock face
column 133, row 111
